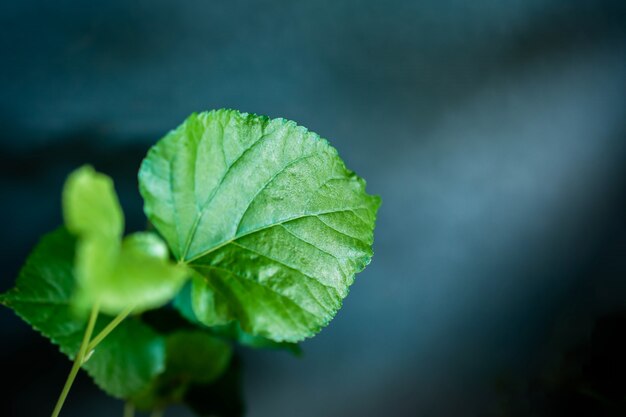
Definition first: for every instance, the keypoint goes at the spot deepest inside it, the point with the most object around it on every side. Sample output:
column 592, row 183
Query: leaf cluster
column 259, row 231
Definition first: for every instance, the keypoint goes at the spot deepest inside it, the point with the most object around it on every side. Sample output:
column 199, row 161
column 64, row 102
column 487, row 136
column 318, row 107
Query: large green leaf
column 193, row 357
column 114, row 273
column 267, row 214
column 128, row 358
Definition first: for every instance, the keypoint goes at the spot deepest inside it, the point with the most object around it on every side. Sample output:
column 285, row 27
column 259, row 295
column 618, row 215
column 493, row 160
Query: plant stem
column 109, row 328
column 129, row 409
column 78, row 361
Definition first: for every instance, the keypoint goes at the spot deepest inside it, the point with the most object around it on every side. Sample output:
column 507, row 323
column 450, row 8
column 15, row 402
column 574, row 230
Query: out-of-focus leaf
column 192, row 357
column 112, row 272
column 90, row 205
column 128, row 358
column 143, row 275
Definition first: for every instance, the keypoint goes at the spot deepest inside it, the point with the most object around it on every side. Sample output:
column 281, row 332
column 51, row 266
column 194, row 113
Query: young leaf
column 126, row 360
column 192, row 357
column 267, row 214
column 117, row 274
column 90, row 205
column 92, row 212
column 142, row 276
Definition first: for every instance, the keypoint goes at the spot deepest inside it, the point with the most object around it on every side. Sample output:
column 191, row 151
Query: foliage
column 261, row 230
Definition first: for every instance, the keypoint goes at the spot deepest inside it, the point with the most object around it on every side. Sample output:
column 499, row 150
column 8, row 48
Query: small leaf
column 232, row 330
column 192, row 357
column 117, row 274
column 127, row 359
column 266, row 213
column 92, row 212
column 143, row 275
column 90, row 205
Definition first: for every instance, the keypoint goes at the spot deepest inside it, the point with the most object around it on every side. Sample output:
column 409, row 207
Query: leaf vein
column 267, row 183
column 280, row 296
column 194, row 228
column 335, row 257
column 266, row 227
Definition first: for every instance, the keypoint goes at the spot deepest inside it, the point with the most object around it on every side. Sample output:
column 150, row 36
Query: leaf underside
column 267, row 215
column 125, row 361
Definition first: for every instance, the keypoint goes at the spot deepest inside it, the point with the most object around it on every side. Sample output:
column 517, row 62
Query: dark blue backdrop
column 494, row 131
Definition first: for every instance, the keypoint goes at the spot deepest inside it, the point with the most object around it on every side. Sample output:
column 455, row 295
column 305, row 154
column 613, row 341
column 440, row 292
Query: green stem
column 109, row 328
column 129, row 409
column 78, row 361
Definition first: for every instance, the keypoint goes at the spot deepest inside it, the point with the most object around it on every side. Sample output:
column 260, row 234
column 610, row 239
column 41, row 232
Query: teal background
column 494, row 131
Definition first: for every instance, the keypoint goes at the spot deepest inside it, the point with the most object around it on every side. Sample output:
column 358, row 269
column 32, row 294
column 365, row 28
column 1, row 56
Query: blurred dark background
column 494, row 131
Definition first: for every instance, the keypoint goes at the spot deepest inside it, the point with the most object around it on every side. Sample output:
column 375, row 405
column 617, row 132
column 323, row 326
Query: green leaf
column 197, row 356
column 267, row 214
column 117, row 274
column 193, row 357
column 92, row 212
column 90, row 205
column 126, row 360
column 232, row 330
